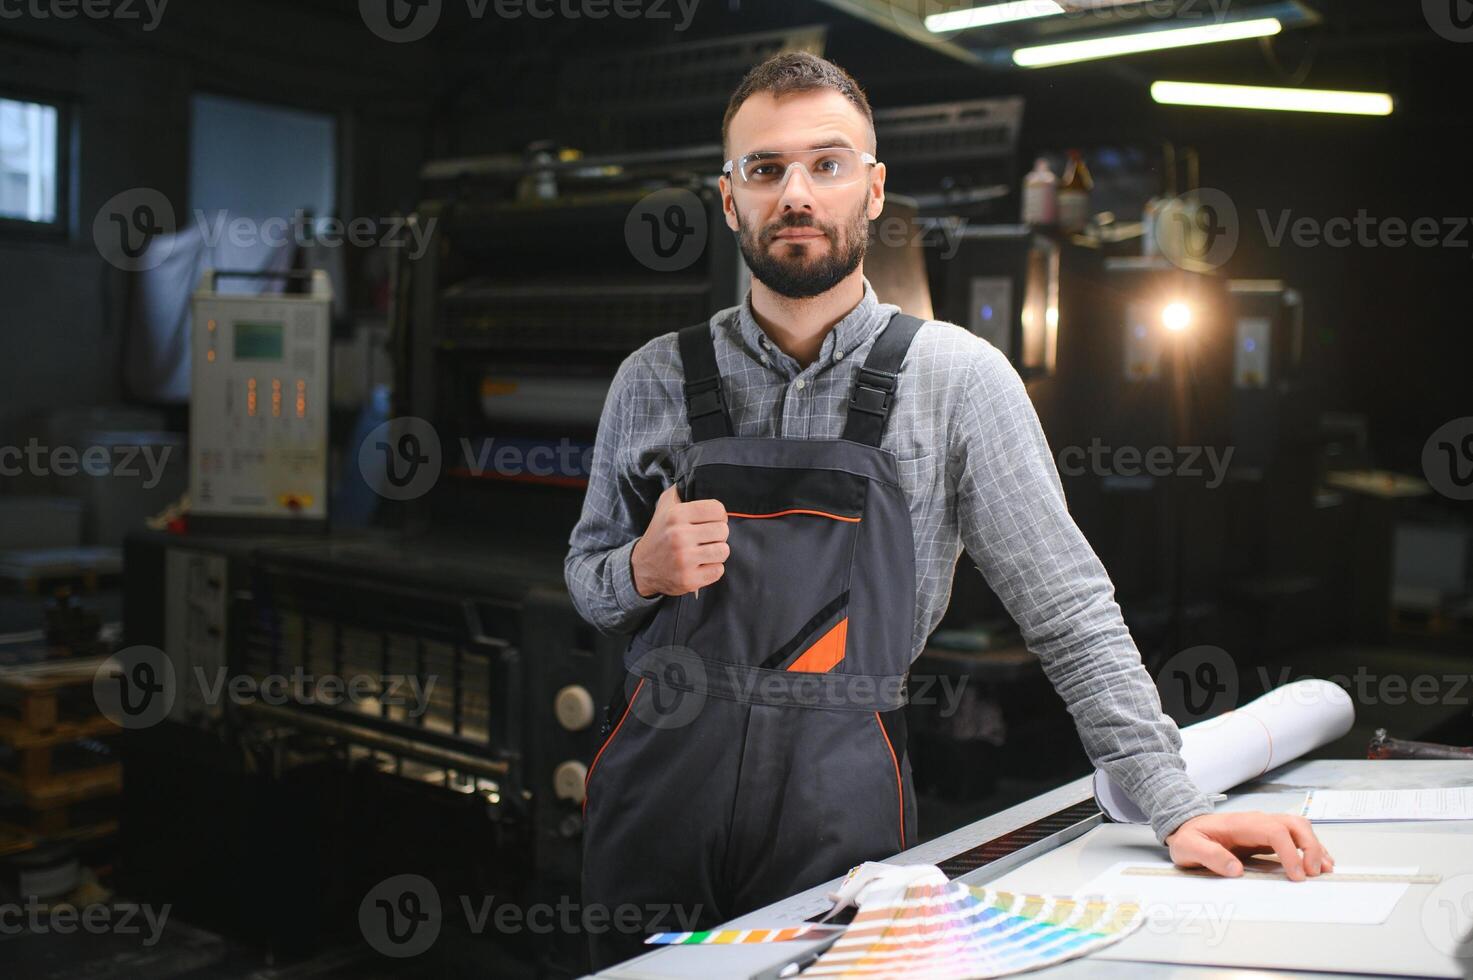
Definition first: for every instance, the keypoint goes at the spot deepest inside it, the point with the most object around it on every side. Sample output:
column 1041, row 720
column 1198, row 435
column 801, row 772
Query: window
column 29, row 170
column 261, row 161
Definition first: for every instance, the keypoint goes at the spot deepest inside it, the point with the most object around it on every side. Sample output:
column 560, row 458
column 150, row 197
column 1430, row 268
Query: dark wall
column 61, row 329
column 1387, row 327
column 1388, row 324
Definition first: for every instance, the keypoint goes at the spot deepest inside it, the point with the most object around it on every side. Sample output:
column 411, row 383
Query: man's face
column 799, row 237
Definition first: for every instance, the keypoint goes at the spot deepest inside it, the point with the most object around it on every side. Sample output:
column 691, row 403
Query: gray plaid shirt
column 976, row 470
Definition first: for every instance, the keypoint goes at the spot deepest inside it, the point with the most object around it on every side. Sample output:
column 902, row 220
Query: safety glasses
column 826, row 166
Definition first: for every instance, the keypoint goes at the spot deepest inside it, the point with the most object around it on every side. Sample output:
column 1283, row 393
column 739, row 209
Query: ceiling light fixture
column 1265, row 97
column 991, row 14
column 1136, row 42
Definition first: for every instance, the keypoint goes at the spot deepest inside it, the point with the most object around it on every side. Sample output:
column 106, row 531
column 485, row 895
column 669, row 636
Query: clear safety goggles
column 826, row 166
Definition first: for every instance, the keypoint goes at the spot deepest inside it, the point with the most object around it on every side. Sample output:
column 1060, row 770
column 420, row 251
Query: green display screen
column 259, row 341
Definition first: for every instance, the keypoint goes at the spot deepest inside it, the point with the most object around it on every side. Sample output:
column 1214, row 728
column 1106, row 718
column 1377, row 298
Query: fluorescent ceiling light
column 1136, row 42
column 1263, row 97
column 995, row 13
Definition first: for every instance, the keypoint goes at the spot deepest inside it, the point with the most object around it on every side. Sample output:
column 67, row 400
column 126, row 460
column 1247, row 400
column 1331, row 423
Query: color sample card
column 955, row 932
column 725, row 937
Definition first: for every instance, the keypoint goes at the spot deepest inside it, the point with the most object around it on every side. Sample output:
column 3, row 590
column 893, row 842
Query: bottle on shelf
column 1074, row 194
column 1150, row 215
column 1040, row 195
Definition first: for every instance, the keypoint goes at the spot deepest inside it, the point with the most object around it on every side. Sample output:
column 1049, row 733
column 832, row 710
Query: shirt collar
column 853, row 330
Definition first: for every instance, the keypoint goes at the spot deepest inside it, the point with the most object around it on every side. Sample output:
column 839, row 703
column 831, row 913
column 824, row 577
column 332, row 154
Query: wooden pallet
column 64, row 806
column 45, row 790
column 17, row 837
column 40, row 696
column 45, row 707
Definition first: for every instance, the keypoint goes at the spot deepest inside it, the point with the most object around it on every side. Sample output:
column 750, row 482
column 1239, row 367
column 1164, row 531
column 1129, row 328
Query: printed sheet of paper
column 1350, row 806
column 1257, row 900
column 1424, row 935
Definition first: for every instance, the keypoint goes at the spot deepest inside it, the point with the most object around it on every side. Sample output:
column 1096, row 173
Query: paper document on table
column 1350, row 806
column 1255, row 899
column 1217, row 923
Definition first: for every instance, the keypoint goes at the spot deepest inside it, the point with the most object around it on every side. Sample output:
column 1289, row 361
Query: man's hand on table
column 1218, row 842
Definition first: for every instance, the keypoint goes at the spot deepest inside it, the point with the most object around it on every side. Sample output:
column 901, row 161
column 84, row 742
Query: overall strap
column 874, row 386
column 704, row 406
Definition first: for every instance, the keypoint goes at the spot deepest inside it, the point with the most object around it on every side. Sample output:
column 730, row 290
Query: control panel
column 259, row 403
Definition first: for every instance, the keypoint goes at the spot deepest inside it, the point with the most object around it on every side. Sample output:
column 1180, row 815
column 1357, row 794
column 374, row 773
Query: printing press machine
column 1006, row 851
column 477, row 783
column 507, row 329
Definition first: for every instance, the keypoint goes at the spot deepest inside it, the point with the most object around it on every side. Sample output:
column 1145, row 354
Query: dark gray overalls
column 757, row 747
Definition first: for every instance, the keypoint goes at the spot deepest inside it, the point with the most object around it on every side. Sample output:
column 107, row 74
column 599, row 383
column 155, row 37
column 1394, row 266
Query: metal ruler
column 1388, row 879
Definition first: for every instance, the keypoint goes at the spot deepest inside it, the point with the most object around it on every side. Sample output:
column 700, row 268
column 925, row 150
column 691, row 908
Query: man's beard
column 800, row 277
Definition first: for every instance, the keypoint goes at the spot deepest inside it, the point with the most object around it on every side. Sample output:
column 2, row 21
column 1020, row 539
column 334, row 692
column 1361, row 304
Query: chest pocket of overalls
column 782, row 602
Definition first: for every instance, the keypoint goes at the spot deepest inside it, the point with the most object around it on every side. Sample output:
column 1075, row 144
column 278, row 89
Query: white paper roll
column 1243, row 744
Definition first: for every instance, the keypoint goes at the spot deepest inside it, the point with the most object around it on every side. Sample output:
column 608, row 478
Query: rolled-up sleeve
column 1016, row 526
column 616, row 510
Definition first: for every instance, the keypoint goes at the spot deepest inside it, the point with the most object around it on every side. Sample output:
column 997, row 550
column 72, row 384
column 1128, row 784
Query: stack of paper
column 1368, row 805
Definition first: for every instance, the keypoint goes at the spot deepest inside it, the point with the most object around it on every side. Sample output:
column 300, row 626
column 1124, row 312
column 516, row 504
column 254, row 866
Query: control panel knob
column 573, row 706
column 567, row 780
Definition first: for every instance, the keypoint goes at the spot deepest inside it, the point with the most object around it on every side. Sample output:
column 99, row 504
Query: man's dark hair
column 796, row 71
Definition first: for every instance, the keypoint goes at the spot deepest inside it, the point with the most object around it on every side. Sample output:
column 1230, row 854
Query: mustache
column 770, row 233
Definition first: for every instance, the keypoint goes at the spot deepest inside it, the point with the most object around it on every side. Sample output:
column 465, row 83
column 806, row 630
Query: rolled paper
column 1245, row 743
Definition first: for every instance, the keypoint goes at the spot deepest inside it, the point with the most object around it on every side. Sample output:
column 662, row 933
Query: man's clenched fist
column 683, row 549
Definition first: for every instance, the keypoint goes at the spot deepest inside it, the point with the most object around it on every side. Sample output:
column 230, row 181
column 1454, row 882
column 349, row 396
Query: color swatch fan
column 945, row 930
